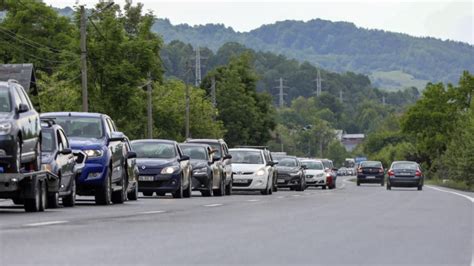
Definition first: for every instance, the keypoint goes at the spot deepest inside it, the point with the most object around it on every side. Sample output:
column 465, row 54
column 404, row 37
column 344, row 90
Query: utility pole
column 150, row 118
column 213, row 92
column 198, row 67
column 281, row 94
column 187, row 102
column 318, row 84
column 85, row 106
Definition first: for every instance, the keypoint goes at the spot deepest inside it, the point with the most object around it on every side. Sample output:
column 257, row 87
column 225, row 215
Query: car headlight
column 93, row 153
column 47, row 167
column 260, row 172
column 202, row 170
column 5, row 128
column 169, row 170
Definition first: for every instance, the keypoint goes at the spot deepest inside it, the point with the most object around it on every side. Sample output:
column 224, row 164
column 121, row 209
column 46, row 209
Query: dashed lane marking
column 213, row 205
column 253, row 200
column 45, row 223
column 151, row 212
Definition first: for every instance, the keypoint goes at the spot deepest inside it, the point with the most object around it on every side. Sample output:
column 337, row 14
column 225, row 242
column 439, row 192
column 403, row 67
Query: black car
column 405, row 174
column 291, row 173
column 370, row 172
column 201, row 162
column 19, row 130
column 58, row 158
column 163, row 168
column 223, row 165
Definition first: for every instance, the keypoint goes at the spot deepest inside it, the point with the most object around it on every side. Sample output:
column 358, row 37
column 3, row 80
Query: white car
column 315, row 174
column 252, row 170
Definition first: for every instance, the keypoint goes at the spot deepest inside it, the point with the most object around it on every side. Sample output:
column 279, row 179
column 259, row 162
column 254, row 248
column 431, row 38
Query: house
column 350, row 141
column 25, row 75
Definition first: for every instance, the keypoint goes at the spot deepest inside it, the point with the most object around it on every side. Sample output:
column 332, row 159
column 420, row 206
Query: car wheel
column 159, row 194
column 44, row 196
column 389, row 187
column 33, row 205
column 147, row 193
column 228, row 188
column 18, row 201
column 133, row 195
column 53, row 200
column 208, row 192
column 358, row 183
column 104, row 193
column 70, row 200
column 382, row 183
column 121, row 195
column 420, row 187
column 323, row 187
column 188, row 192
column 178, row 194
column 221, row 190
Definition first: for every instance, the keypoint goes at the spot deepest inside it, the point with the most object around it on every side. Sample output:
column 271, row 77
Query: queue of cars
column 400, row 174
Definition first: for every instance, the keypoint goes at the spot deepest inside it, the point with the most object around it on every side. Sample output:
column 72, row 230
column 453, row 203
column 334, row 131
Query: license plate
column 405, row 174
column 145, row 178
column 370, row 177
column 281, row 180
column 240, row 181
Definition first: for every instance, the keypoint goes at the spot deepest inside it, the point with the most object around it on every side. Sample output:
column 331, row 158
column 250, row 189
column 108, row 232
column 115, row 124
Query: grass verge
column 449, row 184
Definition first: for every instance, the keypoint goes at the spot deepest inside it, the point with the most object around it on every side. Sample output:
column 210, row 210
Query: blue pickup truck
column 105, row 174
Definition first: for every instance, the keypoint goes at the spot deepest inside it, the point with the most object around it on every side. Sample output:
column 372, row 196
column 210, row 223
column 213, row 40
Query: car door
column 23, row 123
column 117, row 152
column 65, row 162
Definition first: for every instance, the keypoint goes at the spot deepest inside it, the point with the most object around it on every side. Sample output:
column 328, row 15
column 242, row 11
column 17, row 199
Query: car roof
column 73, row 114
column 407, row 162
column 245, row 149
column 195, row 145
column 205, row 140
column 311, row 160
column 155, row 141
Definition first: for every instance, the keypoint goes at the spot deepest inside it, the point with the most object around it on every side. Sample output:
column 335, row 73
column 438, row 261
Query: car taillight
column 418, row 173
column 391, row 173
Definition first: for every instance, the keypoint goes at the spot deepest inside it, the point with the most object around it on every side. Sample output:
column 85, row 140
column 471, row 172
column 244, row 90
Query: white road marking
column 280, row 197
column 151, row 212
column 253, row 200
column 213, row 205
column 296, row 195
column 452, row 192
column 46, row 223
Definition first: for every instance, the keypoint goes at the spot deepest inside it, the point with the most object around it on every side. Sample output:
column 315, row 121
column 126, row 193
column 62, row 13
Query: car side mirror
column 66, row 151
column 22, row 108
column 215, row 159
column 183, row 158
column 304, row 166
column 131, row 155
column 227, row 157
column 270, row 163
column 117, row 136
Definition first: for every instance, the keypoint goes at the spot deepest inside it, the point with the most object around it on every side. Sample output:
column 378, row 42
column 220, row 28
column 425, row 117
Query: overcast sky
column 445, row 19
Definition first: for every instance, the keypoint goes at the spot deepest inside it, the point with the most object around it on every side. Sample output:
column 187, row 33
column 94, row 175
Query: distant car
column 105, row 173
column 58, row 158
column 201, row 162
column 223, row 165
column 370, row 172
column 291, row 173
column 331, row 174
column 405, row 174
column 19, row 130
column 163, row 168
column 252, row 170
column 342, row 171
column 315, row 174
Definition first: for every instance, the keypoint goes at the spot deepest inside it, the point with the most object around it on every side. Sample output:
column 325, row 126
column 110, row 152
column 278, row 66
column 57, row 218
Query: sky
column 443, row 19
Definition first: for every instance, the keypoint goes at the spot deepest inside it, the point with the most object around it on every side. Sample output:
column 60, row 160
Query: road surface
column 350, row 225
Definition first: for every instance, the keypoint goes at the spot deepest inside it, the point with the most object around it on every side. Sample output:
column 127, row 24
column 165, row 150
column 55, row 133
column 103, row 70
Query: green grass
column 396, row 80
column 450, row 184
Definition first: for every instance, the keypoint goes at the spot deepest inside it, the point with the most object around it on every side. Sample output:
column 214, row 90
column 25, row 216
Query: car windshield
column 311, row 165
column 371, row 164
column 195, row 153
column 157, row 150
column 288, row 162
column 47, row 140
column 81, row 127
column 246, row 157
column 409, row 166
column 5, row 102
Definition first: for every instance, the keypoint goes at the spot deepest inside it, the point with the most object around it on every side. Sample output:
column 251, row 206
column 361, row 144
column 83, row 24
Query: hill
column 391, row 59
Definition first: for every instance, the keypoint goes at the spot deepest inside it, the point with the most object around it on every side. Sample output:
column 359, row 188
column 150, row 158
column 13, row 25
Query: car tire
column 420, row 187
column 120, row 196
column 53, row 200
column 159, row 194
column 133, row 195
column 228, row 188
column 18, row 201
column 178, row 194
column 358, row 183
column 323, row 187
column 382, row 183
column 221, row 190
column 103, row 194
column 187, row 193
column 70, row 200
column 148, row 193
column 33, row 205
column 389, row 187
column 44, row 196
column 208, row 192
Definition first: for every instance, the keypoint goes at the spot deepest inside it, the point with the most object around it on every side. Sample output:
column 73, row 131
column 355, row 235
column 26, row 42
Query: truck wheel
column 119, row 197
column 33, row 205
column 103, row 194
column 133, row 195
column 53, row 200
column 44, row 196
column 70, row 200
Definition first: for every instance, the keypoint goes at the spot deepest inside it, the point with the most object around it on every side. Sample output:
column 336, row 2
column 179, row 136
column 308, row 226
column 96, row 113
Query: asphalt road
column 350, row 225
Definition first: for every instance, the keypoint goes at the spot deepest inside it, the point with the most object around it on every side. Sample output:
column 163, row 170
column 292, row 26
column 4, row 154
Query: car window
column 371, row 164
column 5, row 101
column 109, row 125
column 217, row 147
column 81, row 127
column 146, row 149
column 409, row 166
column 195, row 153
column 288, row 162
column 24, row 97
column 246, row 157
column 17, row 97
column 47, row 140
column 312, row 165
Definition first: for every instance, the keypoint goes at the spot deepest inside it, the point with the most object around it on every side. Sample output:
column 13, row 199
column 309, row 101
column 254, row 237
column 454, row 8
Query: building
column 350, row 141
